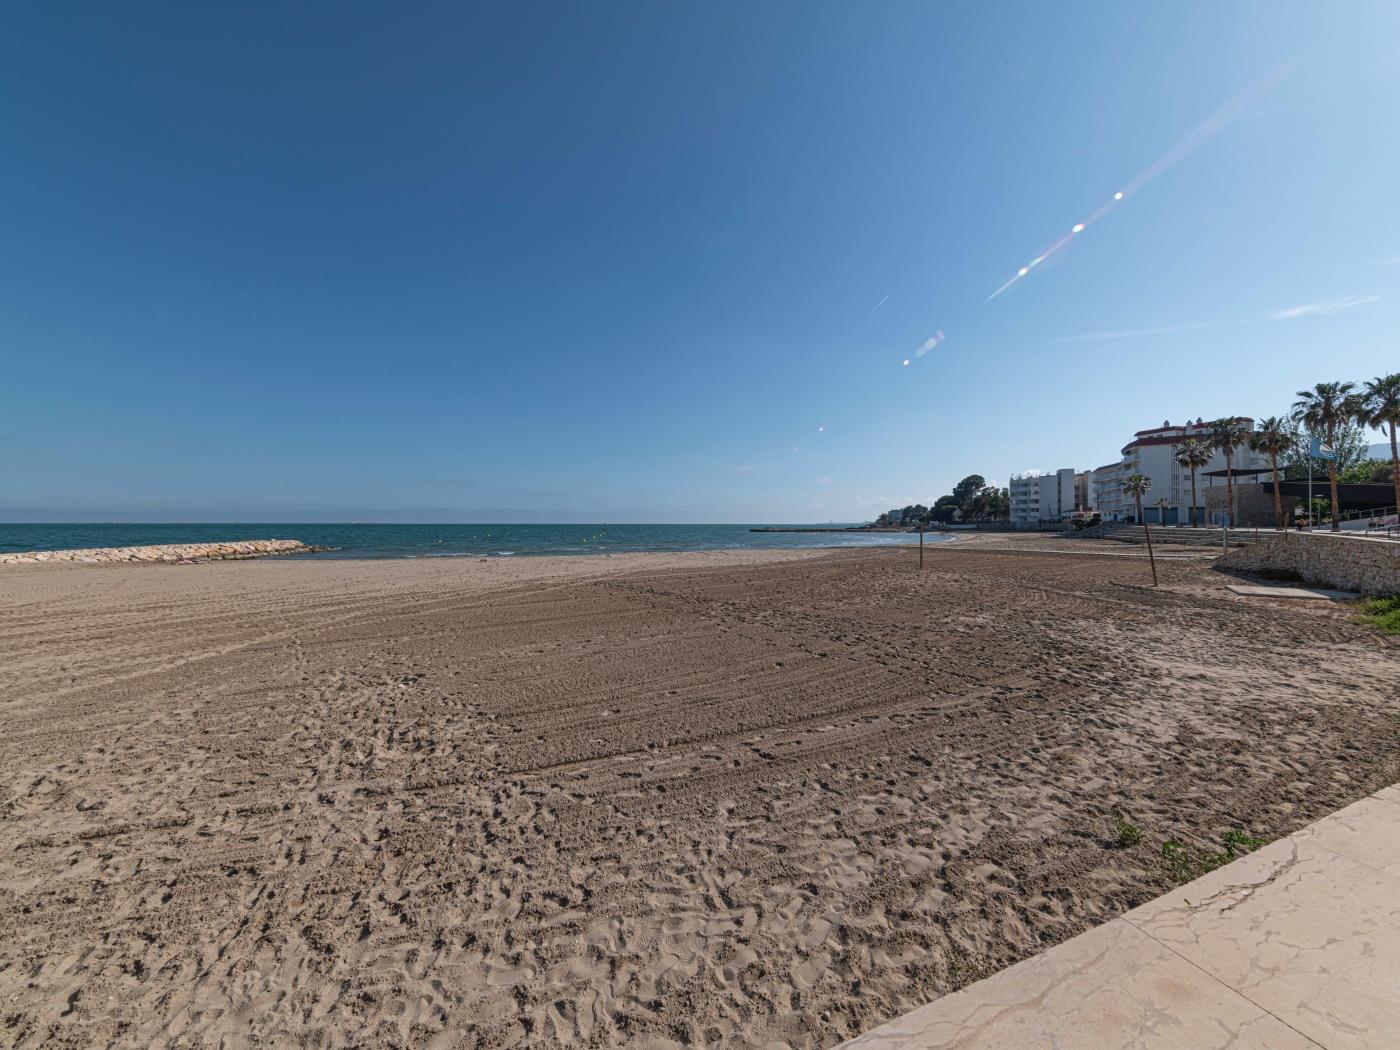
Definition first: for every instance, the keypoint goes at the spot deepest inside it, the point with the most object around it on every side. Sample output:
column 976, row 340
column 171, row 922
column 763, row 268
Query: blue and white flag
column 1321, row 451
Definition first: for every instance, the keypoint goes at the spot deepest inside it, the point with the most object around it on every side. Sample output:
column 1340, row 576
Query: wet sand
column 708, row 799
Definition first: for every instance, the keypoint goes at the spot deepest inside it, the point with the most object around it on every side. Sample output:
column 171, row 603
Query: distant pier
column 849, row 528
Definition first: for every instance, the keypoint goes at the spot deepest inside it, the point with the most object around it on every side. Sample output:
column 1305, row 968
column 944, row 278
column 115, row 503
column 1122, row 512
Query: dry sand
column 712, row 800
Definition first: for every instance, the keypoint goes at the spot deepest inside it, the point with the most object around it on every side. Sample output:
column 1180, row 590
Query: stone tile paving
column 1295, row 945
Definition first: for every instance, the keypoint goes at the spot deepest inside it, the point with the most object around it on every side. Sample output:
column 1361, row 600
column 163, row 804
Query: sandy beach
column 725, row 799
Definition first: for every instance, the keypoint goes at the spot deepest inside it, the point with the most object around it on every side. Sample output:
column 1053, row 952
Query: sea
column 447, row 541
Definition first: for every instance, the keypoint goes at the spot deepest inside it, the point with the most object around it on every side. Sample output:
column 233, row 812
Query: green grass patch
column 1126, row 832
column 1186, row 864
column 1383, row 613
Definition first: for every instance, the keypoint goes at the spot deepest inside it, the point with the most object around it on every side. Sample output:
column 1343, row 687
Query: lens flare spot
column 1078, row 228
column 1118, row 196
column 906, row 362
column 1023, row 271
column 821, row 429
column 930, row 343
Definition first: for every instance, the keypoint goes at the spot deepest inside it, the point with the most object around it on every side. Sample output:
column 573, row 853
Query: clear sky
column 623, row 262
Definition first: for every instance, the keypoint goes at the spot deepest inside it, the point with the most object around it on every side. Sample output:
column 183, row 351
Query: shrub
column 1185, row 867
column 1129, row 834
column 1383, row 613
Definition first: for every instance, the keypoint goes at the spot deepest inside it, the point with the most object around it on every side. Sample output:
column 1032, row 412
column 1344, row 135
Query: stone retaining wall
column 1349, row 562
column 166, row 552
column 1163, row 534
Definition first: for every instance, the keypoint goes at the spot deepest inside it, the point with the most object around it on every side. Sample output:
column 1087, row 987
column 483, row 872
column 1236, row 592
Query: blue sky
column 567, row 262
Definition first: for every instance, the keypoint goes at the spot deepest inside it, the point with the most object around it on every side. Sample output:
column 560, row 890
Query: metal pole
column 921, row 544
column 1310, row 495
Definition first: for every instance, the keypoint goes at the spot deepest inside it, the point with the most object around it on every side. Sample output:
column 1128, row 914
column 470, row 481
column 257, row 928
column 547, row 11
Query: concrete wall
column 1348, row 562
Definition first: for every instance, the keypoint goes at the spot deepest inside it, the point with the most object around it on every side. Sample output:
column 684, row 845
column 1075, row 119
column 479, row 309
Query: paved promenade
column 1295, row 945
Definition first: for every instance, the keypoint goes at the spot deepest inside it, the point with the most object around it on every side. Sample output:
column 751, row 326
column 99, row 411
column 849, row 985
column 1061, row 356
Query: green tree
column 1372, row 472
column 1193, row 455
column 1295, row 461
column 1274, row 440
column 1325, row 410
column 1137, row 486
column 945, row 509
column 1350, row 446
column 991, row 504
column 966, row 490
column 1228, row 434
column 1380, row 400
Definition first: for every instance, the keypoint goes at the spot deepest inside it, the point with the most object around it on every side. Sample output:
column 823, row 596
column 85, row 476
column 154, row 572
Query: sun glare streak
column 1237, row 107
column 1193, row 140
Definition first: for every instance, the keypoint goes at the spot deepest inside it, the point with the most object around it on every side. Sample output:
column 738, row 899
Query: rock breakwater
column 164, row 552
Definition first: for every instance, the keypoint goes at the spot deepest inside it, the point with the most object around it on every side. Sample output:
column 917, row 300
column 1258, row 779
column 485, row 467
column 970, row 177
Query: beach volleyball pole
column 921, row 545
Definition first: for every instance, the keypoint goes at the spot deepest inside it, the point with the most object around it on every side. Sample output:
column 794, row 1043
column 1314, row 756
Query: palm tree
column 1381, row 398
column 1227, row 435
column 1325, row 409
column 1193, row 455
column 1137, row 486
column 1273, row 439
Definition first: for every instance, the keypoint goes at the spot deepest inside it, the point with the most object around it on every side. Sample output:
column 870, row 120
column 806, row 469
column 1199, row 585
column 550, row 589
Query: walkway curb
column 1295, row 945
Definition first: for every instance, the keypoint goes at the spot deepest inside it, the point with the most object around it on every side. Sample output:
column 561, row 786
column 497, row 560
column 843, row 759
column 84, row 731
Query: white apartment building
column 1153, row 453
column 1084, row 492
column 1038, row 497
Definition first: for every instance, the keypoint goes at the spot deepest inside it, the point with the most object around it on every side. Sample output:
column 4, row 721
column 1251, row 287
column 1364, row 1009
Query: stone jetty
column 165, row 552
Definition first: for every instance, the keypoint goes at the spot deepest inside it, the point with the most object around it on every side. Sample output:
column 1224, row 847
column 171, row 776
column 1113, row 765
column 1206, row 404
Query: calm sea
column 444, row 541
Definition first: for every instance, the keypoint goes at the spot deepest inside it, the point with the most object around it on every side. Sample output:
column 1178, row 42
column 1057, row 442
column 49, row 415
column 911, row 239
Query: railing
column 1214, row 535
column 1379, row 521
column 1324, row 528
column 1371, row 515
